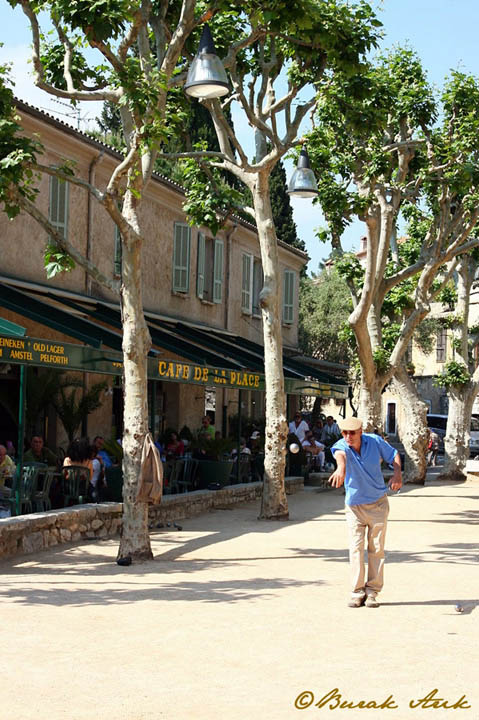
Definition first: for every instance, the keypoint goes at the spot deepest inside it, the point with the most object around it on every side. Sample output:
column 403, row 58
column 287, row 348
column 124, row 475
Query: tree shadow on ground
column 210, row 591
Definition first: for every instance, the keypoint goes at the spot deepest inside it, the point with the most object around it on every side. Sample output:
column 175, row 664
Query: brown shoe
column 356, row 601
column 371, row 601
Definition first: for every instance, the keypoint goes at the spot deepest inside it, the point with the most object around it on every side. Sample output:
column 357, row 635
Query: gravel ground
column 239, row 618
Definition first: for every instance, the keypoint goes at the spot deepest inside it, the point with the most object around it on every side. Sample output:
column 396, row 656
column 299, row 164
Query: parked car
column 438, row 423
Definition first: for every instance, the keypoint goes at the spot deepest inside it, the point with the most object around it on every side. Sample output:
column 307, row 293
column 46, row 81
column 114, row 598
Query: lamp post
column 303, row 183
column 206, row 76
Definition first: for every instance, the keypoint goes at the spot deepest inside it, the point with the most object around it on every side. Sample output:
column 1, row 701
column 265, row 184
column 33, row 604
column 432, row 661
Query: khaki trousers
column 372, row 516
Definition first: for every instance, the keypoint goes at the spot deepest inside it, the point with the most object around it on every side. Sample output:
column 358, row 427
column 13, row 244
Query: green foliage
column 425, row 335
column 381, row 357
column 43, row 385
column 71, row 411
column 100, row 20
column 452, row 321
column 454, row 374
column 324, row 307
column 448, row 295
column 208, row 197
column 56, row 260
column 456, row 344
column 52, row 55
column 16, row 153
column 282, row 210
column 350, row 269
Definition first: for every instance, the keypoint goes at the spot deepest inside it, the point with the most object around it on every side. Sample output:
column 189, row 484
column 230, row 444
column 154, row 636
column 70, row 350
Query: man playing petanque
column 358, row 456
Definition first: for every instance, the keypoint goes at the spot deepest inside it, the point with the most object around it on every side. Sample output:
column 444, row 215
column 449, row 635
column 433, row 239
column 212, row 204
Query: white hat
column 255, row 435
column 352, row 423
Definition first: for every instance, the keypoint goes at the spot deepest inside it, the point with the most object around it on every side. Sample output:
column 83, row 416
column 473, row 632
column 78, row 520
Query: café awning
column 98, row 324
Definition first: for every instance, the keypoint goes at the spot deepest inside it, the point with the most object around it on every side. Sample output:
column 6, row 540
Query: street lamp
column 206, row 77
column 303, row 183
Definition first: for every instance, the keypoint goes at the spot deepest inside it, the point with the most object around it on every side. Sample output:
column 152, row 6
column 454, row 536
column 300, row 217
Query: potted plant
column 215, row 463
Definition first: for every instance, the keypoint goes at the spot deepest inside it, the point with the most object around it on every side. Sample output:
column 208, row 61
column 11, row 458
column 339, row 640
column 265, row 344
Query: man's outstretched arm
column 337, row 478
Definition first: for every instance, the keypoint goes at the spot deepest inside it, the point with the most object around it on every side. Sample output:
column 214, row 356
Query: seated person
column 174, row 448
column 40, row 453
column 315, row 450
column 7, row 471
column 207, row 429
column 243, row 449
column 98, row 484
column 331, row 432
column 101, row 454
column 78, row 453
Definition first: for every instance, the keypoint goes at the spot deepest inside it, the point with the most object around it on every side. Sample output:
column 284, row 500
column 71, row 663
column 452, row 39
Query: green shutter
column 288, row 297
column 246, row 289
column 200, row 279
column 181, row 258
column 58, row 211
column 218, row 272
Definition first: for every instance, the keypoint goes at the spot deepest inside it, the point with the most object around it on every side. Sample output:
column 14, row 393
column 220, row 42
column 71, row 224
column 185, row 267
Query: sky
column 443, row 32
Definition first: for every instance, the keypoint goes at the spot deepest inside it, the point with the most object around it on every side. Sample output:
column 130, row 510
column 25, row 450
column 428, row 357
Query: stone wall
column 32, row 533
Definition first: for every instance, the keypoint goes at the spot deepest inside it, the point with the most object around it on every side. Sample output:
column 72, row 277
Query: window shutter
column 181, row 258
column 288, row 297
column 58, row 212
column 218, row 272
column 246, row 294
column 200, row 279
column 53, row 200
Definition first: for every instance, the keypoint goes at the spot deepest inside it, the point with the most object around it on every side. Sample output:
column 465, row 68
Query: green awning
column 11, row 328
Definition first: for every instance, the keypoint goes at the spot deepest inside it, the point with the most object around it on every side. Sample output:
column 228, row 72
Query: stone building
column 201, row 300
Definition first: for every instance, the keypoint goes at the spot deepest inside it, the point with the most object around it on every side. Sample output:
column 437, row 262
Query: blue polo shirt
column 364, row 481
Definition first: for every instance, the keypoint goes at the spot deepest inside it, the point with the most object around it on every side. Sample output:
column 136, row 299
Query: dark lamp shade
column 303, row 183
column 206, row 77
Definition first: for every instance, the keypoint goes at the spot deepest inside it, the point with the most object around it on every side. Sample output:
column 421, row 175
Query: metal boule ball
column 459, row 608
column 294, row 448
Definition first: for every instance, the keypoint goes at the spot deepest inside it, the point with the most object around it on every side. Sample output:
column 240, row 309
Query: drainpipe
column 91, row 179
column 229, row 235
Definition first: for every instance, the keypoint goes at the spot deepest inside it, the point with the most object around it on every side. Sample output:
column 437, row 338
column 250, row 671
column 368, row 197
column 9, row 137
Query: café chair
column 28, row 483
column 76, row 479
column 186, row 480
column 41, row 495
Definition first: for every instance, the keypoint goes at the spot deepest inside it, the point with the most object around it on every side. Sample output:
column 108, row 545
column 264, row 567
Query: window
column 209, row 281
column 441, row 345
column 247, row 282
column 181, row 258
column 252, row 283
column 58, row 210
column 118, row 253
column 391, row 419
column 288, row 297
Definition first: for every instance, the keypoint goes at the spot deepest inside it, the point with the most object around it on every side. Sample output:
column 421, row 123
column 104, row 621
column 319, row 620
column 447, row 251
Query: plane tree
column 134, row 55
column 391, row 152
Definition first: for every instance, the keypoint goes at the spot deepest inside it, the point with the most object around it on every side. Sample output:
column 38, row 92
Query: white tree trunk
column 413, row 428
column 456, row 441
column 461, row 398
column 274, row 503
column 370, row 410
column 135, row 540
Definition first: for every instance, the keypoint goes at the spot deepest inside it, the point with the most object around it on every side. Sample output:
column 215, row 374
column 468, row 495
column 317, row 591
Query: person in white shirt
column 298, row 426
column 315, row 449
column 331, row 432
